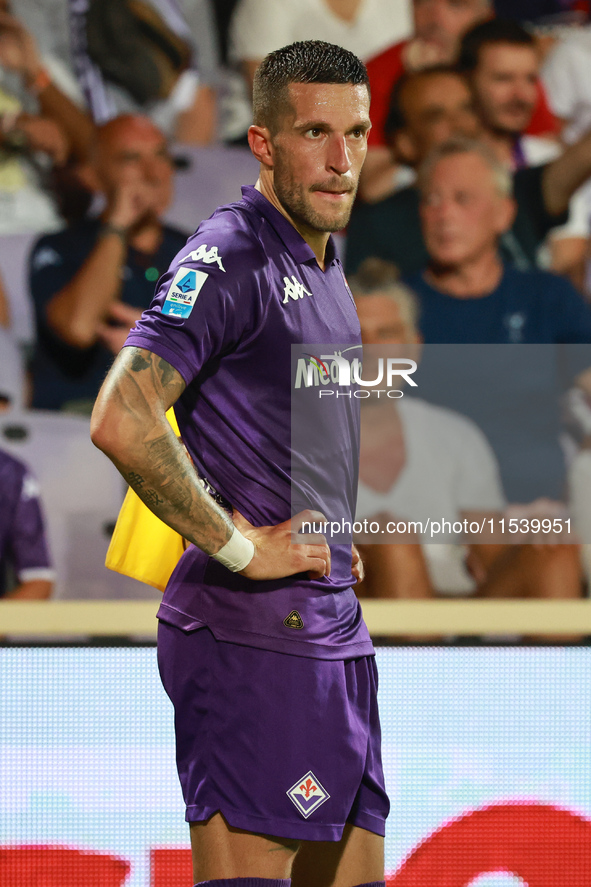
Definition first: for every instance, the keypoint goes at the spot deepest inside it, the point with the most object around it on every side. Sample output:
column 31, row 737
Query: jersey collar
column 292, row 239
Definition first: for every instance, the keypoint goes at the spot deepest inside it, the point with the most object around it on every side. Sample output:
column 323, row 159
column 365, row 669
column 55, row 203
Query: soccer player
column 262, row 646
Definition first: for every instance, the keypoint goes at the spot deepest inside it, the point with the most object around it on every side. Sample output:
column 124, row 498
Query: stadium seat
column 14, row 272
column 12, row 377
column 207, row 178
column 82, row 493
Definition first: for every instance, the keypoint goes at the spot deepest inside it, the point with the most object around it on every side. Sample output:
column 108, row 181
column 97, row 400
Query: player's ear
column 259, row 139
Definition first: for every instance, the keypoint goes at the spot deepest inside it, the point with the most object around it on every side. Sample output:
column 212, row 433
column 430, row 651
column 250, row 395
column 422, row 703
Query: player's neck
column 316, row 240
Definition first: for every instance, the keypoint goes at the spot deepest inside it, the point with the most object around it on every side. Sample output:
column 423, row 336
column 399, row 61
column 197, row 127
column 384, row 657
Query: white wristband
column 237, row 553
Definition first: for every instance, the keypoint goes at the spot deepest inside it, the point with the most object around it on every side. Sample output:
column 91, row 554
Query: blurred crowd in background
column 123, row 123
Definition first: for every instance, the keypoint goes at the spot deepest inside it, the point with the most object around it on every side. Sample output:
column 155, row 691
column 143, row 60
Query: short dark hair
column 490, row 33
column 396, row 119
column 308, row 61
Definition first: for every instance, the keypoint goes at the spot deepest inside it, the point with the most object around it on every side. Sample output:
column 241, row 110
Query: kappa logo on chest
column 294, row 289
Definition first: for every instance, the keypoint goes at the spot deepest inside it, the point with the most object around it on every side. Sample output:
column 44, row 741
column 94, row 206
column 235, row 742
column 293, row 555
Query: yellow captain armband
column 142, row 546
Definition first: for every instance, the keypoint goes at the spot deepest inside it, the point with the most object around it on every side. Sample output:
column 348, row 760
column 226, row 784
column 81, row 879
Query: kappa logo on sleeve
column 203, row 254
column 183, row 291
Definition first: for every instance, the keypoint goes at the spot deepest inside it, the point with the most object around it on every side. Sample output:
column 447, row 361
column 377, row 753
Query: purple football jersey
column 244, row 290
column 23, row 545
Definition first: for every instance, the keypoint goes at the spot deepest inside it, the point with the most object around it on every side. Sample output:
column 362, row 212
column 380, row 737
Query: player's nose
column 339, row 158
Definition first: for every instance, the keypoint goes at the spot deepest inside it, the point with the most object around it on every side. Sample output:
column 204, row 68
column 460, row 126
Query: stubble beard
column 293, row 198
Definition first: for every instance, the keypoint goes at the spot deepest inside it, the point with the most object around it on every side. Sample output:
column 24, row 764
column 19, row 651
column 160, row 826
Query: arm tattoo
column 155, row 463
column 151, row 498
column 163, row 374
column 166, row 372
column 139, row 362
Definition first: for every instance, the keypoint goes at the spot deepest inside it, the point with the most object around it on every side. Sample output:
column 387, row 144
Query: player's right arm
column 129, row 425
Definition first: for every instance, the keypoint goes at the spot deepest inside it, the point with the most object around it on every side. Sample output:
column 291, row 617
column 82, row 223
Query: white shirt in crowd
column 450, row 468
column 567, row 80
column 260, row 26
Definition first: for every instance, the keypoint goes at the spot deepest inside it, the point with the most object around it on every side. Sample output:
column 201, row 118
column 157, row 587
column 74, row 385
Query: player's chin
column 335, row 220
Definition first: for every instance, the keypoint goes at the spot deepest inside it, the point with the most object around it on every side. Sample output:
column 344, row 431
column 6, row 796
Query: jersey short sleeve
column 208, row 301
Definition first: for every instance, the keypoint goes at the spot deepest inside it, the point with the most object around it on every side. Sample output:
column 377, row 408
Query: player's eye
column 314, row 133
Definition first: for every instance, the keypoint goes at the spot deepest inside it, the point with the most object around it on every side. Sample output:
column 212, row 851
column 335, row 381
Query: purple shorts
column 281, row 745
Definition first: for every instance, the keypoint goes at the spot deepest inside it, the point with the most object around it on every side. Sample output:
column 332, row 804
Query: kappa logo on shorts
column 294, row 620
column 307, row 794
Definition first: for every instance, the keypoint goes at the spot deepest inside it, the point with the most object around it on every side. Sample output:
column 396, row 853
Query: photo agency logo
column 340, row 374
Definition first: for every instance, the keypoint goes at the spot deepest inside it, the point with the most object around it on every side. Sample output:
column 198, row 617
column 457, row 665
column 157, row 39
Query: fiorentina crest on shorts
column 307, row 794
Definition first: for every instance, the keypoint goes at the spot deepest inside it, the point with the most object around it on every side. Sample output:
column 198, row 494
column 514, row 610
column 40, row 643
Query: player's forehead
column 337, row 105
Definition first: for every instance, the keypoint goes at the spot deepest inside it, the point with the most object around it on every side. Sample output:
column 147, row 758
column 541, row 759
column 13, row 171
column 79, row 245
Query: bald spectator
column 428, row 108
column 91, row 281
column 502, row 64
column 439, row 27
